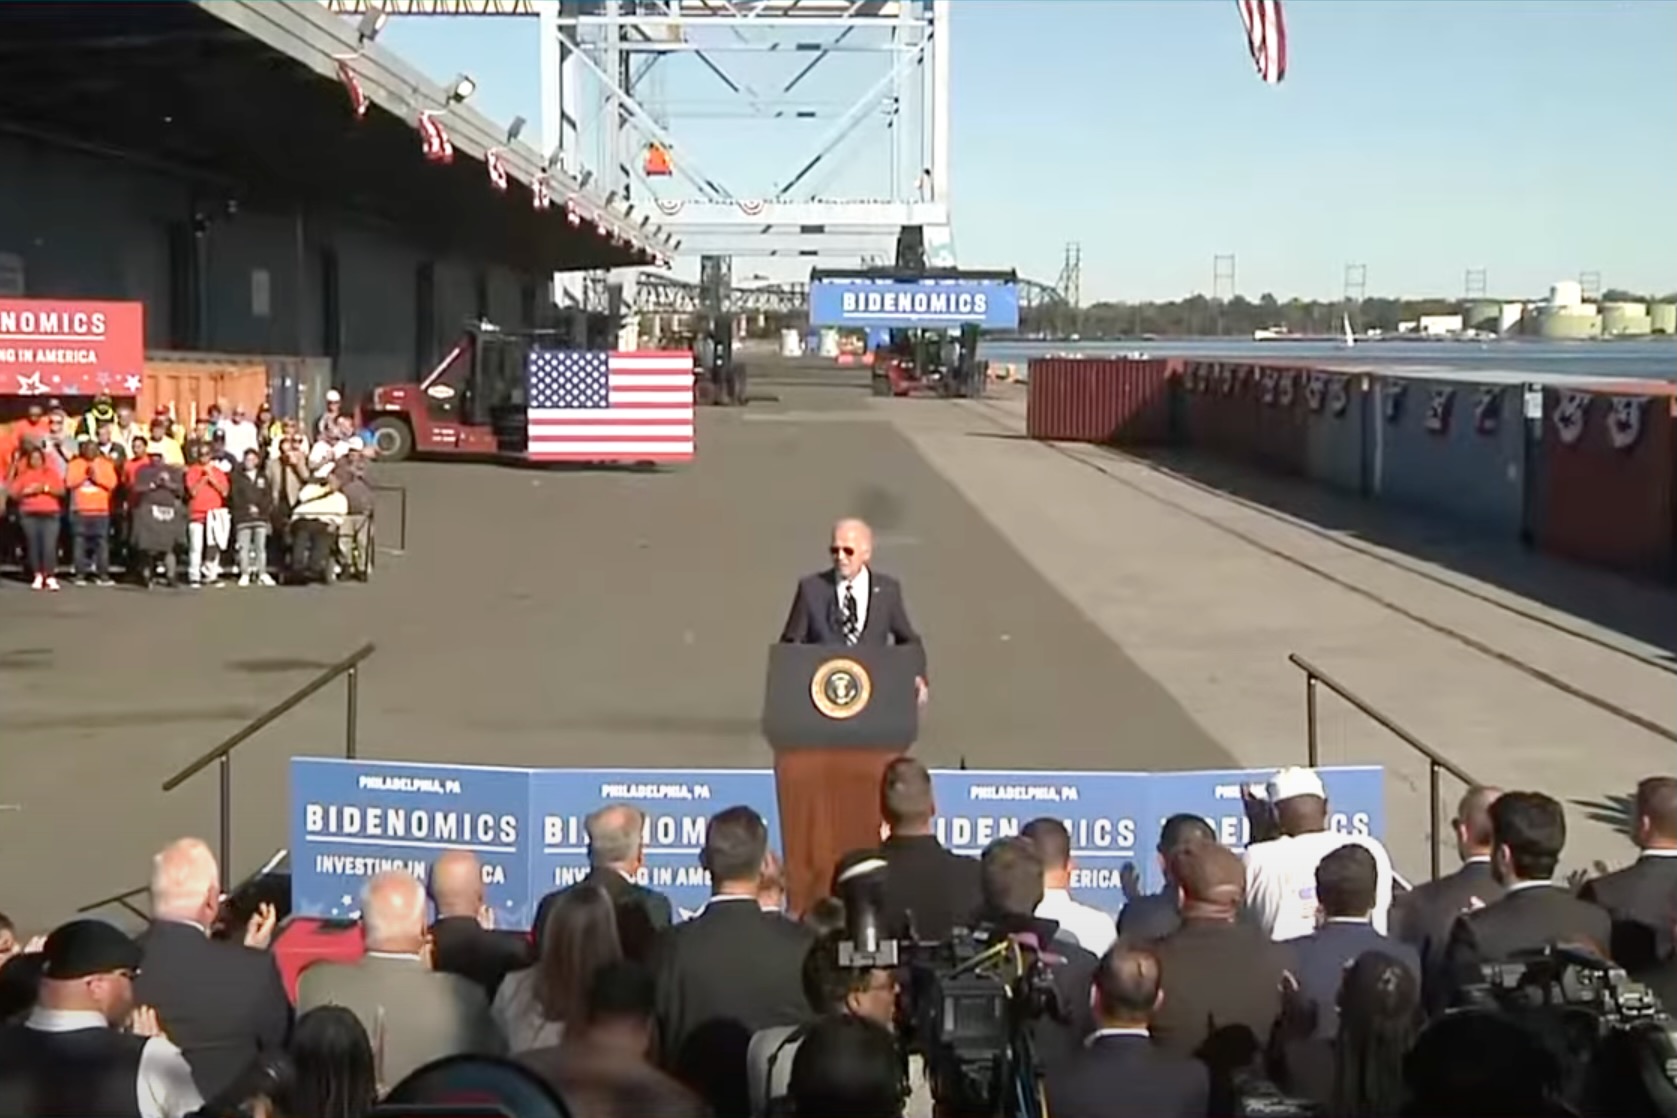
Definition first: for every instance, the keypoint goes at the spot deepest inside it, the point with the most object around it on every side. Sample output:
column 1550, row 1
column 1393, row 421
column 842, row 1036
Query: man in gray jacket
column 413, row 1014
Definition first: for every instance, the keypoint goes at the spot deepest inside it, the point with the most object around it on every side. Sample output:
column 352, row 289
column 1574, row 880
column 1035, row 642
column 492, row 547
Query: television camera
column 969, row 1005
column 1615, row 1046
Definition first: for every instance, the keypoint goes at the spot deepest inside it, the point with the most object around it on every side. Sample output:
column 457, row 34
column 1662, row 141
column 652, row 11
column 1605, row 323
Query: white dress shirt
column 1093, row 929
column 862, row 587
column 164, row 1089
column 1281, row 881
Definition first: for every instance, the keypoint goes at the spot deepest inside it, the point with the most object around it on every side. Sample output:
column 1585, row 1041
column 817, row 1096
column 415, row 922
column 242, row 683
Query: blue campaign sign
column 925, row 305
column 352, row 819
column 678, row 803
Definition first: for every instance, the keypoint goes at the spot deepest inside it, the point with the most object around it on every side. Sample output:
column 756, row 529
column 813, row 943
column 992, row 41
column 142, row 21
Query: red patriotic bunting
column 433, row 138
column 357, row 95
column 540, row 196
column 573, row 217
column 497, row 168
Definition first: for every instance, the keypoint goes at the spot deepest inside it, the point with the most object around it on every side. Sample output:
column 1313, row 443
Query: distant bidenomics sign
column 990, row 304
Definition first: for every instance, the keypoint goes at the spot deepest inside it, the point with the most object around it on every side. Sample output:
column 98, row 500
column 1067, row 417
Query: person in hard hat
column 329, row 418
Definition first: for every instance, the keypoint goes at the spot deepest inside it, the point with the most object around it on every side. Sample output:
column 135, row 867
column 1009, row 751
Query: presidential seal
column 841, row 689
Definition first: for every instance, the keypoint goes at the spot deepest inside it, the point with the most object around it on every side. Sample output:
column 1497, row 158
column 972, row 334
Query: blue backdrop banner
column 926, row 305
column 351, row 819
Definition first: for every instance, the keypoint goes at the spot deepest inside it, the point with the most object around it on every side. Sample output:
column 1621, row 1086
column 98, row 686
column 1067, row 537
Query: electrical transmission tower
column 1474, row 285
column 1222, row 277
column 1356, row 290
column 1590, row 283
column 1070, row 283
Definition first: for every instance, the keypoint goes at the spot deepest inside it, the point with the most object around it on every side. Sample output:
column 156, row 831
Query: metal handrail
column 222, row 755
column 1436, row 762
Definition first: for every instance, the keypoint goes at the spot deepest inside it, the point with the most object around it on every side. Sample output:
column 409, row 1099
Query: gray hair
column 393, row 911
column 614, row 834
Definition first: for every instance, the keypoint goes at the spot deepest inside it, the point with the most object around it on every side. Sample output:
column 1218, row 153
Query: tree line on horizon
column 1202, row 316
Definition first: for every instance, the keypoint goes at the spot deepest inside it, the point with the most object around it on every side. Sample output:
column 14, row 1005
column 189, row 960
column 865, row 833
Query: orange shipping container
column 190, row 383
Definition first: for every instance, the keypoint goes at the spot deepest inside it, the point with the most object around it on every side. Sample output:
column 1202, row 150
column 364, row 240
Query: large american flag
column 592, row 406
column 1266, row 37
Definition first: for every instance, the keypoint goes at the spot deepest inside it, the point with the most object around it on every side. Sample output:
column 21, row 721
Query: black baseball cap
column 84, row 948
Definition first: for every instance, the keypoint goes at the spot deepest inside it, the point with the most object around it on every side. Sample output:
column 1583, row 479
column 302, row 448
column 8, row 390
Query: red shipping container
column 1119, row 400
column 1608, row 479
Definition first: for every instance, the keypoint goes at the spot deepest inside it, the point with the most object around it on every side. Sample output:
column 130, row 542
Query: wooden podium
column 835, row 718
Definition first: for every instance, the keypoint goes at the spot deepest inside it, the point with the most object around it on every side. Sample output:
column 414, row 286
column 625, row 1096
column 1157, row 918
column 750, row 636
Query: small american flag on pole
column 433, row 138
column 497, row 168
column 1266, row 37
column 592, row 406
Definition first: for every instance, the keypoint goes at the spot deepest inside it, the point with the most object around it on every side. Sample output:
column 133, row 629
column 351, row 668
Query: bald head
column 1126, row 988
column 185, row 882
column 393, row 913
column 457, row 884
column 1473, row 822
column 852, row 547
column 614, row 837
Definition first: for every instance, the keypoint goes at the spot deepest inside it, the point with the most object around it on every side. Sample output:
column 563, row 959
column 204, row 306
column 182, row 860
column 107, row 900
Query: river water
column 1654, row 359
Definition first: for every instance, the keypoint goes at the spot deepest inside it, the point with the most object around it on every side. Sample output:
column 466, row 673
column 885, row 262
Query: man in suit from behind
column 412, row 1013
column 1119, row 1073
column 1642, row 897
column 1529, row 832
column 729, row 972
column 615, row 857
column 1346, row 881
column 1426, row 914
column 223, row 1003
column 927, row 888
column 851, row 603
column 1156, row 915
column 464, row 940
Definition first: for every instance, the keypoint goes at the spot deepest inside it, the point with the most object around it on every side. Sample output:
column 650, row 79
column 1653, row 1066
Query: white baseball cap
column 1289, row 783
column 333, row 396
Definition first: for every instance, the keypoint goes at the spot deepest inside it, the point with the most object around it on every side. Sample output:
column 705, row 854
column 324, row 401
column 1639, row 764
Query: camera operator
column 1529, row 832
column 1010, row 885
column 928, row 889
column 832, row 990
column 1119, row 1073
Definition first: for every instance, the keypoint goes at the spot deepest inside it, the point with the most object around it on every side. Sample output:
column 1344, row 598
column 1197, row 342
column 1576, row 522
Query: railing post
column 227, row 817
column 352, row 709
column 402, row 531
column 1313, row 750
column 1435, row 799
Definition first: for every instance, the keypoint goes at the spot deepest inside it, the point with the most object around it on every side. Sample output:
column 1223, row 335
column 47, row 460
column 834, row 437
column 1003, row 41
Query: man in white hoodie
column 240, row 433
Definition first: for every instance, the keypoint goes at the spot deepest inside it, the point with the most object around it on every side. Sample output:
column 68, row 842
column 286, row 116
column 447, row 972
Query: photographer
column 832, row 990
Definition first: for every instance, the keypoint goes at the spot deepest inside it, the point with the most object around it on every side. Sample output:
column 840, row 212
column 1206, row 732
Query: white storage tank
column 791, row 345
column 1569, row 324
column 1662, row 317
column 1566, row 293
column 829, row 341
column 1625, row 320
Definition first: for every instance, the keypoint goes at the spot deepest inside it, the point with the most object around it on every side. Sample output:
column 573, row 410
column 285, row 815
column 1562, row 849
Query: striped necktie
column 852, row 619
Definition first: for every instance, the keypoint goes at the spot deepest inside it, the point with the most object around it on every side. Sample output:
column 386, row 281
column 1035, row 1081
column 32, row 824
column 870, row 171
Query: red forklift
column 472, row 403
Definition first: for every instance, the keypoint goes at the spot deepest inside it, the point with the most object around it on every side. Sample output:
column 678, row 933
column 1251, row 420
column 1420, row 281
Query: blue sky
column 1421, row 138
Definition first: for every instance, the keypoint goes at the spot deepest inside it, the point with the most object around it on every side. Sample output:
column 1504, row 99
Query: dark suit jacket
column 815, row 617
column 1148, row 918
column 1642, row 900
column 222, row 1003
column 1127, row 1077
column 1525, row 919
column 722, row 976
column 641, row 912
column 1072, row 969
column 1424, row 917
column 935, row 886
column 462, row 946
column 1321, row 957
column 1222, row 985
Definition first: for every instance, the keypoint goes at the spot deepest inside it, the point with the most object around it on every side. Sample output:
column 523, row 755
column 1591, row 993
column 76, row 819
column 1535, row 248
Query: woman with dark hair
column 580, row 936
column 1379, row 1013
column 333, row 1070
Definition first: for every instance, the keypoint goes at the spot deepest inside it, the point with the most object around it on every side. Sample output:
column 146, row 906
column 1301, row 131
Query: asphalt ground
column 547, row 617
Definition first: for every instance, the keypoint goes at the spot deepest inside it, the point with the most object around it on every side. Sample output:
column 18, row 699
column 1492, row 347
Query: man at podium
column 850, row 603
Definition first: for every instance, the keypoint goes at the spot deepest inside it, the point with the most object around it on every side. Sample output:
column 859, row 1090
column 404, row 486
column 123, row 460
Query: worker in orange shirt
column 39, row 492
column 90, row 480
column 206, row 495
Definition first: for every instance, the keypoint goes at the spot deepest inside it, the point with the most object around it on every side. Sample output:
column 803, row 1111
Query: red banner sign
column 66, row 347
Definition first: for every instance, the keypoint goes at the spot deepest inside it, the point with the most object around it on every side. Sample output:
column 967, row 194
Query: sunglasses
column 847, row 552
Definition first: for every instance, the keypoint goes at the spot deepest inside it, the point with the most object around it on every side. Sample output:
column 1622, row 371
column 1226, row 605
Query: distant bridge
column 660, row 294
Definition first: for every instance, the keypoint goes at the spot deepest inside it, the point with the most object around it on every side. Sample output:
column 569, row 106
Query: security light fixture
column 646, row 220
column 611, row 199
column 372, row 22
column 587, row 177
column 464, row 86
column 515, row 129
column 554, row 159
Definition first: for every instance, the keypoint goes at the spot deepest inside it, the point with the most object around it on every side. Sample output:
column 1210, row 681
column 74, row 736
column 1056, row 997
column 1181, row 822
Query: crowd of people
column 1287, row 972
column 255, row 498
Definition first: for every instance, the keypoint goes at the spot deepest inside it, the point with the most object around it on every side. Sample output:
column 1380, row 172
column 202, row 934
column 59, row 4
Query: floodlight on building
column 646, row 220
column 587, row 177
column 515, row 129
column 372, row 22
column 611, row 199
column 464, row 86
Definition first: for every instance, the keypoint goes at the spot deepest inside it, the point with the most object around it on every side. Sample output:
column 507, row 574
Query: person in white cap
column 1281, row 871
column 329, row 418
